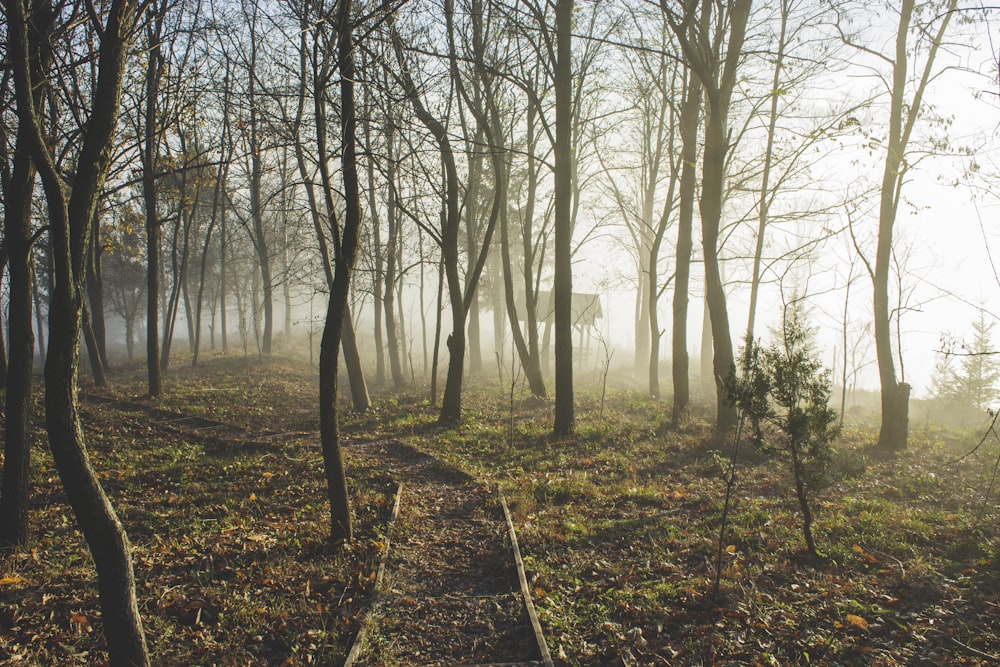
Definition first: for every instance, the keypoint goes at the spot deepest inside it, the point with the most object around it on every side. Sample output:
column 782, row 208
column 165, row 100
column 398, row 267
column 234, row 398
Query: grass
column 618, row 525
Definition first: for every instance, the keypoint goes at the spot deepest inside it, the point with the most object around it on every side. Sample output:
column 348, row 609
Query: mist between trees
column 444, row 188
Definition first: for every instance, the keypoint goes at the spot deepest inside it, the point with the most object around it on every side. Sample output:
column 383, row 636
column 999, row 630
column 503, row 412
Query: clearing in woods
column 219, row 485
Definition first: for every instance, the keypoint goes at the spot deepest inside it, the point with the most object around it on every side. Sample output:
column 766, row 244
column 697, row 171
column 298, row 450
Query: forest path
column 450, row 593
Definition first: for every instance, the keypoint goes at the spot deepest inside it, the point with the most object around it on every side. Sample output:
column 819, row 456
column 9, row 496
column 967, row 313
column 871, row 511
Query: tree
column 717, row 74
column 460, row 295
column 791, row 394
column 18, row 181
column 149, row 150
column 976, row 384
column 800, row 393
column 689, row 117
column 70, row 217
column 345, row 253
column 905, row 106
column 562, row 286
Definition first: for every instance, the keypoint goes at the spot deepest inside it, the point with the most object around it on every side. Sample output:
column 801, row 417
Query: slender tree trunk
column 205, row 252
column 352, row 361
column 391, row 250
column 472, row 244
column 379, row 272
column 95, row 294
column 346, row 251
column 640, row 319
column 258, row 234
column 3, row 341
column 17, row 427
column 423, row 306
column 563, row 280
column 149, row 149
column 70, row 218
column 718, row 80
column 347, row 338
column 437, row 332
column 93, row 353
column 680, row 361
column 37, row 296
column 764, row 201
column 451, row 404
column 902, row 117
column 528, row 245
column 223, row 287
column 3, row 337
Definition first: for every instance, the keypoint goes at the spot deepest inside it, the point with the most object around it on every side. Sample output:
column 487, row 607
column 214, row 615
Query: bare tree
column 70, row 217
column 716, row 69
column 905, row 103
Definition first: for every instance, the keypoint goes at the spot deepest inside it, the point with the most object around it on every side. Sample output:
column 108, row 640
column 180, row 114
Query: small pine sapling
column 799, row 391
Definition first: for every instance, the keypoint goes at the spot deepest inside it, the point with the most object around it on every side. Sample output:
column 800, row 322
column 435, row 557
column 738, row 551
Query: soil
column 450, row 593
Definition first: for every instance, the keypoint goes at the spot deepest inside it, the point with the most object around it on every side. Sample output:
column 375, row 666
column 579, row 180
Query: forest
column 499, row 332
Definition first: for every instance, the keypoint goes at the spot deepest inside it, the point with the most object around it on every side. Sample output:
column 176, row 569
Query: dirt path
column 450, row 594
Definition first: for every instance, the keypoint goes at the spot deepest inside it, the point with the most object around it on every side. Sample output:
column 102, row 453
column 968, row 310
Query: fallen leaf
column 857, row 621
column 80, row 622
column 8, row 581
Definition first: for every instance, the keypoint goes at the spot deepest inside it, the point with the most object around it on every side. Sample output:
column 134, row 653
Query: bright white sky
column 950, row 231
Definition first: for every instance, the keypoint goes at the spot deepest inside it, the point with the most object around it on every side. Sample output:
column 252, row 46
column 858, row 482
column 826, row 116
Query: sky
column 948, row 228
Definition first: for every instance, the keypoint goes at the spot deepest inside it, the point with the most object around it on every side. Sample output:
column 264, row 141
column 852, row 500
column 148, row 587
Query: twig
column 992, row 657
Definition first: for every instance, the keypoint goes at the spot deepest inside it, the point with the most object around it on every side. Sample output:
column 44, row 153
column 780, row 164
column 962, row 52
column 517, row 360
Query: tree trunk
column 437, row 332
column 95, row 293
column 203, row 269
column 895, row 396
column 93, row 353
column 472, row 243
column 680, row 361
column 640, row 321
column 70, row 218
column 3, row 342
column 391, row 249
column 17, row 427
column 379, row 272
column 223, row 289
column 451, row 403
column 352, row 360
column 719, row 80
column 713, row 175
column 340, row 510
column 149, row 149
column 563, row 279
column 36, row 294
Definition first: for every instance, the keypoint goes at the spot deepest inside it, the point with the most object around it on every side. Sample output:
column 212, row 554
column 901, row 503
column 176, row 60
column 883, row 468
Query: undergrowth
column 617, row 524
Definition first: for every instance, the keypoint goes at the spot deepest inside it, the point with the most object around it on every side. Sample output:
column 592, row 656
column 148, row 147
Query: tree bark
column 18, row 194
column 70, row 218
column 451, row 403
column 95, row 295
column 345, row 252
column 895, row 395
column 149, row 150
column 392, row 244
column 563, row 280
column 680, row 362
